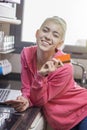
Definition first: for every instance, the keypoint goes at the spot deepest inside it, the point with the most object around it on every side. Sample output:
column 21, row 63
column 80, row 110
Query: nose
column 48, row 36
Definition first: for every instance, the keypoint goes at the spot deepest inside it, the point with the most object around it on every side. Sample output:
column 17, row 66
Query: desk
column 18, row 121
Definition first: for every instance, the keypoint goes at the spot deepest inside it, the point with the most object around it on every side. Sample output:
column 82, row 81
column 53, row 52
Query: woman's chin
column 44, row 48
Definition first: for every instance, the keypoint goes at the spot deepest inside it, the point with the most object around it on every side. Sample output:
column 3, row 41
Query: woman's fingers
column 21, row 107
column 20, row 104
column 50, row 66
column 57, row 62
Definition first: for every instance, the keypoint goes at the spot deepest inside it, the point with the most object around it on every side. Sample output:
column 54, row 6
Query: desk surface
column 17, row 121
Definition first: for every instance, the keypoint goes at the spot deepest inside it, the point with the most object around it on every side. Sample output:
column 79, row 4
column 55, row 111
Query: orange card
column 65, row 58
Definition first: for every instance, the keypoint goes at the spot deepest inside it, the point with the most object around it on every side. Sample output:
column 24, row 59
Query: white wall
column 73, row 11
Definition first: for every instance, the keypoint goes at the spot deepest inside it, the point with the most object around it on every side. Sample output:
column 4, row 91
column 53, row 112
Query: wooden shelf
column 10, row 21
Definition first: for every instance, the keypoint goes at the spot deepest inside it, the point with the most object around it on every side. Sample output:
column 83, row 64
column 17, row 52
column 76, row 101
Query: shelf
column 7, row 51
column 11, row 1
column 10, row 21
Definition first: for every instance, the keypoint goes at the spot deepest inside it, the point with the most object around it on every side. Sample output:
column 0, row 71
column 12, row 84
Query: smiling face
column 49, row 36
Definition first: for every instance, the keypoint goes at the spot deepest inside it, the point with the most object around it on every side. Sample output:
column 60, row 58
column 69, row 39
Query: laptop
column 8, row 94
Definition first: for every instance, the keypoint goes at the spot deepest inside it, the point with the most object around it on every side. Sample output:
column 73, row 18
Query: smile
column 45, row 42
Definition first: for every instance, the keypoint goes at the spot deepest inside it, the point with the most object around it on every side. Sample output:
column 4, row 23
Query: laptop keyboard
column 3, row 94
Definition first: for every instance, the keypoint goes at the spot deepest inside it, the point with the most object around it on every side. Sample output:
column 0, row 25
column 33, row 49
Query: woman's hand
column 20, row 104
column 50, row 66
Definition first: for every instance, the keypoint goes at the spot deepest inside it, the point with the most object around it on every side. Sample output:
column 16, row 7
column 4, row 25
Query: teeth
column 45, row 42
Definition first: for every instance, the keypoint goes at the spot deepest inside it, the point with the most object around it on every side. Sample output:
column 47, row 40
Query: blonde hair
column 59, row 21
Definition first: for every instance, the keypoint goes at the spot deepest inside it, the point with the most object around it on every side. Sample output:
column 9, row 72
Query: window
column 73, row 11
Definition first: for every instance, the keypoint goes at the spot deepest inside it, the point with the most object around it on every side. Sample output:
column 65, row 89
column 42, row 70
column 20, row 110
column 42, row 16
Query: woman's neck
column 43, row 57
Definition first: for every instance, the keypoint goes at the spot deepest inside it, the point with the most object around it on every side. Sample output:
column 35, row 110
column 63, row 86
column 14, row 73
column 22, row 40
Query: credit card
column 65, row 58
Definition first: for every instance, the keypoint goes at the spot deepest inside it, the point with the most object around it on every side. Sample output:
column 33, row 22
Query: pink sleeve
column 25, row 88
column 44, row 89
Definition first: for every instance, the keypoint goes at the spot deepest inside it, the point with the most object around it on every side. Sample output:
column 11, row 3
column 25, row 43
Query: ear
column 37, row 33
column 60, row 44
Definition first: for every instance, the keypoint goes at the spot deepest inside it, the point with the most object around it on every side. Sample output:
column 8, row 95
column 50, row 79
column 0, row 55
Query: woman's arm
column 25, row 79
column 44, row 89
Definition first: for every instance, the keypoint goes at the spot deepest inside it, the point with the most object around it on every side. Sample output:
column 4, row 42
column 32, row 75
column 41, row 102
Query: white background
column 73, row 11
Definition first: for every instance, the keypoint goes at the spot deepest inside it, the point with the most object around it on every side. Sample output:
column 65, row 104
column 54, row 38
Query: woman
column 48, row 83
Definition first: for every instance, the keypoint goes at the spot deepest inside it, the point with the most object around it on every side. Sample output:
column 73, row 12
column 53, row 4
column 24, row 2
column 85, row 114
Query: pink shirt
column 64, row 103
